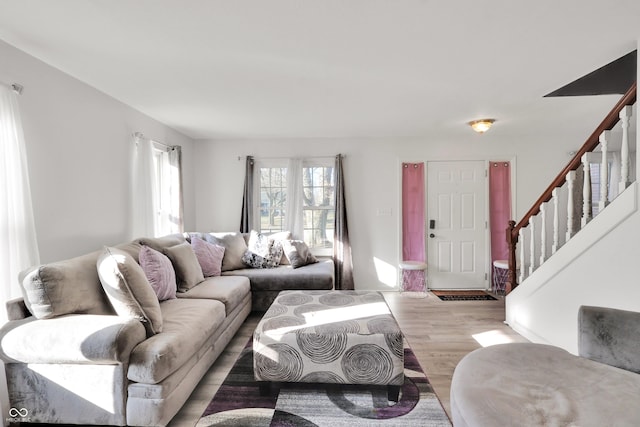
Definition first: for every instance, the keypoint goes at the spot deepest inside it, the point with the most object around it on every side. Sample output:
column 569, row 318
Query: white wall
column 78, row 142
column 599, row 267
column 372, row 169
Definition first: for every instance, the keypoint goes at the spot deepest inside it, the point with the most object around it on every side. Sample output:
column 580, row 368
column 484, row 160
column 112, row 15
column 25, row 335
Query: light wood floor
column 440, row 334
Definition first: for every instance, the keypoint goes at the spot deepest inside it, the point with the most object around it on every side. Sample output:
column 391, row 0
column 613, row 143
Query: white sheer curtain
column 294, row 219
column 144, row 189
column 171, row 182
column 18, row 244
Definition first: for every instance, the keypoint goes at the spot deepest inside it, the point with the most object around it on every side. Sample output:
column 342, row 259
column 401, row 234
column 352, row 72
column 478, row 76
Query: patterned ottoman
column 343, row 337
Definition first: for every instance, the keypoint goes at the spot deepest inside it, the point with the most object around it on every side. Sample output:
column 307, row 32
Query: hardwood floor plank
column 440, row 334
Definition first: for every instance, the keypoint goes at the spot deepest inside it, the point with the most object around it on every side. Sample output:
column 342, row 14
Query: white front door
column 456, row 225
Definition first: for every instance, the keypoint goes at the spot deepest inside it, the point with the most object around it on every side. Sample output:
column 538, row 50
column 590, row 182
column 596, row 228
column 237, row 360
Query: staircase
column 574, row 246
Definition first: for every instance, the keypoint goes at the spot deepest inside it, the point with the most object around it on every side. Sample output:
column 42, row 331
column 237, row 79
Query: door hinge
column 486, row 225
column 486, row 277
column 486, row 173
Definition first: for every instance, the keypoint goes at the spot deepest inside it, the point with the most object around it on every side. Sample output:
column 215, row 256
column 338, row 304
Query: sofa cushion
column 188, row 271
column 209, row 256
column 132, row 248
column 161, row 243
column 128, row 289
column 298, row 253
column 65, row 287
column 95, row 339
column 230, row 290
column 188, row 323
column 611, row 336
column 284, row 277
column 234, row 248
column 159, row 271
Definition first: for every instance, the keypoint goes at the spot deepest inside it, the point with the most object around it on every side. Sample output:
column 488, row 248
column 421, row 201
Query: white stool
column 413, row 279
column 500, row 275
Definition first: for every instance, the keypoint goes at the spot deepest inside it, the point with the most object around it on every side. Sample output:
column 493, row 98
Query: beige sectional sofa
column 69, row 358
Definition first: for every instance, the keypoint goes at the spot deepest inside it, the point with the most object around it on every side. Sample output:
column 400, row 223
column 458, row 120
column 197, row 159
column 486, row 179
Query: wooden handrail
column 591, row 143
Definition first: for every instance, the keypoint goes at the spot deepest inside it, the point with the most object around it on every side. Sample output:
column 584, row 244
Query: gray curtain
column 246, row 219
column 177, row 208
column 341, row 246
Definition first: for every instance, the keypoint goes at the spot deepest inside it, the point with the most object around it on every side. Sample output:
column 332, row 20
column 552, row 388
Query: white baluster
column 586, row 190
column 556, row 220
column 625, row 116
column 571, row 180
column 604, row 171
column 522, row 255
column 532, row 246
column 543, row 233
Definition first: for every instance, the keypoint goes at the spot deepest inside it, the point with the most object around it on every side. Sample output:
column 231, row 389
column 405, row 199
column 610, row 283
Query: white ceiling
column 331, row 68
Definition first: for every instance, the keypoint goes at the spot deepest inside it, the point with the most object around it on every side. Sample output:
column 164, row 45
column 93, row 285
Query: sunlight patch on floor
column 494, row 337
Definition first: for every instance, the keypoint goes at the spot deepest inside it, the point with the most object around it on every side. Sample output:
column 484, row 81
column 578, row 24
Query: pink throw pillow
column 209, row 256
column 160, row 273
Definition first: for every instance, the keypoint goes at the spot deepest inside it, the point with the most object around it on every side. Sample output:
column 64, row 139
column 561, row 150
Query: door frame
column 486, row 159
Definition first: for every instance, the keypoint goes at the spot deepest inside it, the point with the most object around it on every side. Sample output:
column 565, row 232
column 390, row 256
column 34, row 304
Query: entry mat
column 463, row 295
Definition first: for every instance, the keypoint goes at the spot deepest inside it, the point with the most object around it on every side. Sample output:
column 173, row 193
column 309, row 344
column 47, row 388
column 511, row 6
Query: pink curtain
column 413, row 223
column 499, row 208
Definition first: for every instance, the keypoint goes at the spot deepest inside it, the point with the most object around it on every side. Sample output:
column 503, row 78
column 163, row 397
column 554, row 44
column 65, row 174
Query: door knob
column 432, row 235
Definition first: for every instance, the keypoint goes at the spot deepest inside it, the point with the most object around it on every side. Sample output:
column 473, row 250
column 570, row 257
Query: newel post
column 512, row 241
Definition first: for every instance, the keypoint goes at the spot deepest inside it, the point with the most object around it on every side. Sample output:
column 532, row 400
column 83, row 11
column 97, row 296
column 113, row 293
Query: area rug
column 238, row 402
column 463, row 296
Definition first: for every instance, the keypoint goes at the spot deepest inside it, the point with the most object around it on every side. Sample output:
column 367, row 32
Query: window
column 310, row 196
column 318, row 189
column 273, row 196
column 167, row 189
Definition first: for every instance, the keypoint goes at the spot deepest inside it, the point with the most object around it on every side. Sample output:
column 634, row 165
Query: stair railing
column 563, row 189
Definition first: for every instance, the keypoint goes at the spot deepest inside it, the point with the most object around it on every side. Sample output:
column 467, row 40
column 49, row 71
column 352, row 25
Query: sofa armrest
column 72, row 339
column 17, row 309
column 610, row 336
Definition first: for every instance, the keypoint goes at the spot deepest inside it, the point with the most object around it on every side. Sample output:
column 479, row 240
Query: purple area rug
column 238, row 402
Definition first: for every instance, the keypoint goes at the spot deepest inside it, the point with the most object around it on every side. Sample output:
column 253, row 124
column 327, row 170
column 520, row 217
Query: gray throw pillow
column 298, row 253
column 188, row 270
column 128, row 289
column 234, row 248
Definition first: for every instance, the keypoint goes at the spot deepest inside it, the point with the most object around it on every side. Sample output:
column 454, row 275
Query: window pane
column 273, row 197
column 318, row 204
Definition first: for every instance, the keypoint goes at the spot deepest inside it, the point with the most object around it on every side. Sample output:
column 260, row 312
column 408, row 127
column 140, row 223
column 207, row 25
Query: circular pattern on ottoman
column 282, row 322
column 344, row 326
column 336, row 299
column 388, row 327
column 308, row 308
column 322, row 348
column 323, row 377
column 287, row 368
column 274, row 311
column 371, row 297
column 367, row 364
column 294, row 299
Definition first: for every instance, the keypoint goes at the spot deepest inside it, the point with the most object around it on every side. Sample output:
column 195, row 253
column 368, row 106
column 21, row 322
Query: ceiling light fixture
column 481, row 125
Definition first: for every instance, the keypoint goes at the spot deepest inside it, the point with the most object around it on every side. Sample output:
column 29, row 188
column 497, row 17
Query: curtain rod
column 140, row 135
column 17, row 88
column 287, row 158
